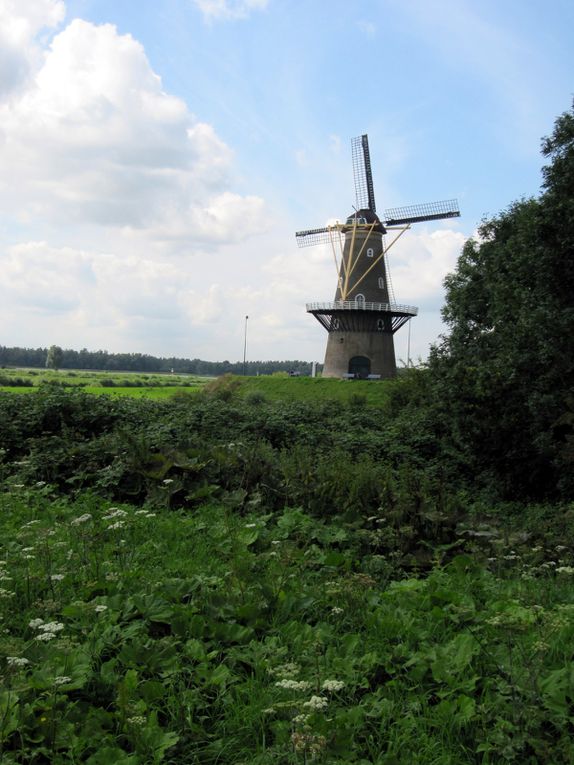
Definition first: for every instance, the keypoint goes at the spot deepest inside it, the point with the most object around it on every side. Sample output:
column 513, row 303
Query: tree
column 54, row 357
column 505, row 372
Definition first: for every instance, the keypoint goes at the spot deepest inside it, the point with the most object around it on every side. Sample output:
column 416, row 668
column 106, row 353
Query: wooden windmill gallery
column 364, row 316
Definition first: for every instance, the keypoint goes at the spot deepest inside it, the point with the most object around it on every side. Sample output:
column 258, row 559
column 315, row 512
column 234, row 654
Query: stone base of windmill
column 360, row 355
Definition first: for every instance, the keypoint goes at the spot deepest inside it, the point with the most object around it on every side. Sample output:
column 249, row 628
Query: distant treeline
column 142, row 362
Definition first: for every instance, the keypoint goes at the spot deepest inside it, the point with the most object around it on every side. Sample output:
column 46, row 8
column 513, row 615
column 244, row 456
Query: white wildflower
column 6, row 593
column 17, row 661
column 45, row 636
column 51, row 627
column 290, row 669
column 150, row 515
column 293, row 685
column 115, row 512
column 140, row 512
column 116, row 525
column 317, row 703
column 81, row 519
column 333, row 685
column 250, row 525
column 100, row 609
column 301, row 719
column 565, row 570
column 62, row 680
column 36, row 623
column 57, row 577
column 28, row 549
column 167, row 481
column 336, row 610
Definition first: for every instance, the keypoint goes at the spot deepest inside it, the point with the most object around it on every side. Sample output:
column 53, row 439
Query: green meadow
column 276, row 387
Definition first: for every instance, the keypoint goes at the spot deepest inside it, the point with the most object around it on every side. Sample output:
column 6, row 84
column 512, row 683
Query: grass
column 161, row 386
column 121, row 383
column 278, row 388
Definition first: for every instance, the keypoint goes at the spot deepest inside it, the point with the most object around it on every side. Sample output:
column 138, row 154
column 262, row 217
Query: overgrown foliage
column 504, row 376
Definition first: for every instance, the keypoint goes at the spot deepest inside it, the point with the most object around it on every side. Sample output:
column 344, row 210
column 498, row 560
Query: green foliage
column 505, row 373
column 54, row 357
column 265, row 637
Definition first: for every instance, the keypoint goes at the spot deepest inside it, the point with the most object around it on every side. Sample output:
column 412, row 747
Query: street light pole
column 409, row 346
column 245, row 345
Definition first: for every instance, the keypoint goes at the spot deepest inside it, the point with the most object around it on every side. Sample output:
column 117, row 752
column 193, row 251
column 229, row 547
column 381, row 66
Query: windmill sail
column 402, row 216
column 364, row 191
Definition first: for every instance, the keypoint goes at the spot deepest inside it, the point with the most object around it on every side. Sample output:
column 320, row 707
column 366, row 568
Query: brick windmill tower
column 364, row 316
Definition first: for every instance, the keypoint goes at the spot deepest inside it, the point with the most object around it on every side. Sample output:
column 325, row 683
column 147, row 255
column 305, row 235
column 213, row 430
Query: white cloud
column 20, row 22
column 222, row 10
column 95, row 139
column 419, row 263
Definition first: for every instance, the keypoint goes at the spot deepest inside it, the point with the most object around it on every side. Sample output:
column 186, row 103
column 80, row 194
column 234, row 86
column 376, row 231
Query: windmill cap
column 366, row 216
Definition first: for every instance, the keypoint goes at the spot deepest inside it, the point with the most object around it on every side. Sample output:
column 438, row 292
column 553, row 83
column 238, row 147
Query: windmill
column 364, row 316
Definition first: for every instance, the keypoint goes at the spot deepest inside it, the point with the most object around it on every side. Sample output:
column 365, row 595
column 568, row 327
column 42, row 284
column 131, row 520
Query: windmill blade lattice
column 313, row 236
column 364, row 190
column 402, row 216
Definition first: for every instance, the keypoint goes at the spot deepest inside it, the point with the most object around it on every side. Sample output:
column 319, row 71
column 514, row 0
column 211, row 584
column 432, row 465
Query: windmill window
column 360, row 299
column 380, row 325
column 335, row 323
column 381, row 282
column 370, row 252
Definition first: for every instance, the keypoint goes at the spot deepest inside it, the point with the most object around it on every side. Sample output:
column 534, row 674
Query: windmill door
column 360, row 366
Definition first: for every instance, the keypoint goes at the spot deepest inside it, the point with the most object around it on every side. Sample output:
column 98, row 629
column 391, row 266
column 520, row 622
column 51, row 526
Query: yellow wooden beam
column 347, row 269
column 356, row 260
column 381, row 256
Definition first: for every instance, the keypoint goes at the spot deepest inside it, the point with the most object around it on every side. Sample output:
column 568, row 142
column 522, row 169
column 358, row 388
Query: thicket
column 503, row 379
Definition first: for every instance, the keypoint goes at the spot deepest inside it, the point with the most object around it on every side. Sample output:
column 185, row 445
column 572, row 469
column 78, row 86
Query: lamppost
column 409, row 347
column 245, row 345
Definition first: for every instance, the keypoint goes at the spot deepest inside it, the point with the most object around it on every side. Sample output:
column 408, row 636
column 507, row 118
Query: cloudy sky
column 158, row 156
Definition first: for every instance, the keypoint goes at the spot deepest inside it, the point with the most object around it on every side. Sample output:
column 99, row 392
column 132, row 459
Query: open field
column 133, row 384
column 271, row 387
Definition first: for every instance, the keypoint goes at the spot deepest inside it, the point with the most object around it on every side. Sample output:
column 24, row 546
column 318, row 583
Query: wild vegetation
column 235, row 576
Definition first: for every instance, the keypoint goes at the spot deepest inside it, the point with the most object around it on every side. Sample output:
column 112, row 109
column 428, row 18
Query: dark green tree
column 505, row 373
column 54, row 357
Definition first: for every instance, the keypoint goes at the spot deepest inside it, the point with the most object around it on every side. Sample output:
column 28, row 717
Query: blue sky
column 160, row 155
